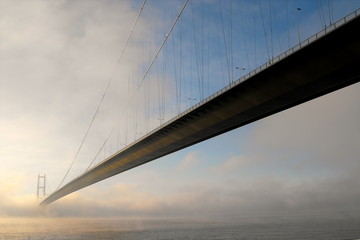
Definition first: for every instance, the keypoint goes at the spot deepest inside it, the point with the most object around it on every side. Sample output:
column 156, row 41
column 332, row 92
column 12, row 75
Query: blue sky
column 57, row 57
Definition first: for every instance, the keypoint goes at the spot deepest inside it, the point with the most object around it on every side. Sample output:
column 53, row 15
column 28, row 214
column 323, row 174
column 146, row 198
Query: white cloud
column 56, row 59
column 234, row 163
column 322, row 132
column 190, row 161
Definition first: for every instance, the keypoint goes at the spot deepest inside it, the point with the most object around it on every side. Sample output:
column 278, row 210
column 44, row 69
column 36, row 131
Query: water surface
column 179, row 228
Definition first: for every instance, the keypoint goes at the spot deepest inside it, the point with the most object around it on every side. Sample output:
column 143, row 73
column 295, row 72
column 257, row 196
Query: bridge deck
column 327, row 64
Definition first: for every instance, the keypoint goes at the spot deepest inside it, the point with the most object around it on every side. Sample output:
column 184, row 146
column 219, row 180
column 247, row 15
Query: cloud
column 320, row 133
column 11, row 202
column 57, row 58
column 262, row 196
column 118, row 200
column 190, row 161
column 235, row 164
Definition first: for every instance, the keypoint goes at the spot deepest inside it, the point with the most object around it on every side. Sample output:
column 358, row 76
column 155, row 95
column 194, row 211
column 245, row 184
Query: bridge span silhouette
column 326, row 62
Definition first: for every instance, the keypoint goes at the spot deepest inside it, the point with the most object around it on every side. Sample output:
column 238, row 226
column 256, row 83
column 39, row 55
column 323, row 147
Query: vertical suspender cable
column 263, row 23
column 196, row 50
column 226, row 51
column 287, row 21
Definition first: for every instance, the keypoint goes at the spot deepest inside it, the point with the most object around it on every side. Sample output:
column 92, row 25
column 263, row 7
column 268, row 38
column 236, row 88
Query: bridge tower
column 41, row 183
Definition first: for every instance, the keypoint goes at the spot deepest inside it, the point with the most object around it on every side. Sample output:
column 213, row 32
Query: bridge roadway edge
column 326, row 65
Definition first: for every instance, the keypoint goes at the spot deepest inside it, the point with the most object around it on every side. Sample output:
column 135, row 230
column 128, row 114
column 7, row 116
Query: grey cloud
column 52, row 75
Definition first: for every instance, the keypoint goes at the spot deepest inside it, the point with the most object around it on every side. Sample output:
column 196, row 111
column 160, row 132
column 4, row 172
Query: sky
column 56, row 58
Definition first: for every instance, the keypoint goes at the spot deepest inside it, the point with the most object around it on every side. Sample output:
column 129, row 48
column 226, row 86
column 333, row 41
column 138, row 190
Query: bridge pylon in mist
column 41, row 183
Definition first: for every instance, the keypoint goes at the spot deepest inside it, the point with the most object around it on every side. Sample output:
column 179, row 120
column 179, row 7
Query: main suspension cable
column 104, row 93
column 142, row 79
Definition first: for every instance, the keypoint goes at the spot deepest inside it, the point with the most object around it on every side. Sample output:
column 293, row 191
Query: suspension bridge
column 322, row 63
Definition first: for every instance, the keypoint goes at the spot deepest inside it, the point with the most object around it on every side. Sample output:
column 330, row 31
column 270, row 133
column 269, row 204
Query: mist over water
column 180, row 228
